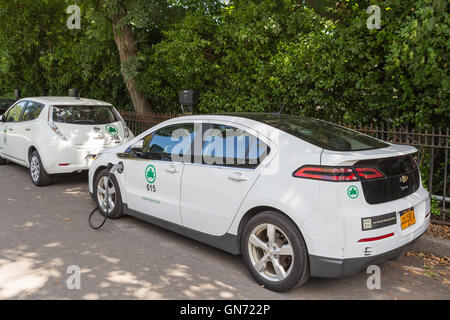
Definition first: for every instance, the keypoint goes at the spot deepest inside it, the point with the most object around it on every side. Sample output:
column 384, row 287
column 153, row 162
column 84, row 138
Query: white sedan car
column 53, row 135
column 297, row 197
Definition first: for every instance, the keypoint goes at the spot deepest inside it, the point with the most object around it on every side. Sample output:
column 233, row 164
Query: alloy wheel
column 270, row 252
column 35, row 168
column 105, row 183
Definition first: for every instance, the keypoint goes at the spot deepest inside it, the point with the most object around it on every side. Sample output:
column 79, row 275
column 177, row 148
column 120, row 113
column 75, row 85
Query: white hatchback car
column 297, row 197
column 53, row 135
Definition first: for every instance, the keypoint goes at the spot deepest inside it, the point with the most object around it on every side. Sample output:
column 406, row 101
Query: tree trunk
column 126, row 45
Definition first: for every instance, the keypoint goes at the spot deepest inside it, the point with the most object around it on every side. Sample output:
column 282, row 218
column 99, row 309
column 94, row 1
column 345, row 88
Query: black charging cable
column 111, row 169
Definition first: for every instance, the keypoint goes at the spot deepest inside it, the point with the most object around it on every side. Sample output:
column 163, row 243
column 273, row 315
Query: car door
column 27, row 128
column 153, row 169
column 212, row 191
column 11, row 140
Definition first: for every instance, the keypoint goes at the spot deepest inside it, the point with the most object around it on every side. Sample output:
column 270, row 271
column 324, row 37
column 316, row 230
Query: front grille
column 401, row 179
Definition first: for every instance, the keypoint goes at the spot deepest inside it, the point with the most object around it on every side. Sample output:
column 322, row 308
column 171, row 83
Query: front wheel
column 107, row 195
column 275, row 252
column 38, row 175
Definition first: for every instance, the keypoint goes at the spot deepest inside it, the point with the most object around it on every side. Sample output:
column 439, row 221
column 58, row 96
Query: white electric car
column 53, row 135
column 297, row 197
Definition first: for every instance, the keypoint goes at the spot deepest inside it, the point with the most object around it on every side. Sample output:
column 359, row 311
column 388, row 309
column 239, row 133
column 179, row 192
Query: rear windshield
column 320, row 133
column 84, row 114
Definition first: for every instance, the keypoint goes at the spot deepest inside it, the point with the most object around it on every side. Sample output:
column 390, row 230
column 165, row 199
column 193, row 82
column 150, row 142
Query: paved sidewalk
column 43, row 231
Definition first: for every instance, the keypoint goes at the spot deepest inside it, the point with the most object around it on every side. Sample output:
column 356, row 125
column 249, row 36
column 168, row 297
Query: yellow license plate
column 407, row 218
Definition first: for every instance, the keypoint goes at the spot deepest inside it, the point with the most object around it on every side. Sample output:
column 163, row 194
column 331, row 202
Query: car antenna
column 278, row 114
column 78, row 96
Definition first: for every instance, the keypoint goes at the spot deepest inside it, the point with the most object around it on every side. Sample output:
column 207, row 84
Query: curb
column 429, row 244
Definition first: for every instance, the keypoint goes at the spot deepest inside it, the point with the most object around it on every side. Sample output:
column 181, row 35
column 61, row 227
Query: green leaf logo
column 353, row 192
column 150, row 174
column 112, row 130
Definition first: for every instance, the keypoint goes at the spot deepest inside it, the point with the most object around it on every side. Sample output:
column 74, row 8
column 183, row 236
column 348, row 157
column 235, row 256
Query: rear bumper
column 324, row 267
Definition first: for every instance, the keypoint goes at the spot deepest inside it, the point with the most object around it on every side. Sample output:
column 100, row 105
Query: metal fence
column 433, row 148
column 139, row 123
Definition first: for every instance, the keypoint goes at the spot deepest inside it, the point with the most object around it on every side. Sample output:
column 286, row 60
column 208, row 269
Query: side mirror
column 123, row 155
column 2, row 118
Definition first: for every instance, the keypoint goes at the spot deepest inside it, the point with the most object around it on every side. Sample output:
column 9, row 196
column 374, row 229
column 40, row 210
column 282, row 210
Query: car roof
column 67, row 101
column 268, row 119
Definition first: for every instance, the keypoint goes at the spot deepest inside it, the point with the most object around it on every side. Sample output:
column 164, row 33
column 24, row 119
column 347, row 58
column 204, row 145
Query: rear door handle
column 10, row 129
column 27, row 129
column 238, row 178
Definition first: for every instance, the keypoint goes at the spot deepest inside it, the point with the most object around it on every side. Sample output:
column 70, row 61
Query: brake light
column 368, row 173
column 335, row 174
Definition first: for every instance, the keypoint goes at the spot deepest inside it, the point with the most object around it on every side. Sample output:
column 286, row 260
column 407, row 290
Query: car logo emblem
column 112, row 130
column 353, row 192
column 404, row 179
column 150, row 174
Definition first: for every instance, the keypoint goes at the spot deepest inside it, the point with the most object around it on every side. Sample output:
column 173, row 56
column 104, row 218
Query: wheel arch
column 97, row 171
column 31, row 149
column 254, row 212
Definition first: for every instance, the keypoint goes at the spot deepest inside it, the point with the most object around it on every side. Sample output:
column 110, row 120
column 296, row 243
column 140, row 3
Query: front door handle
column 171, row 169
column 10, row 129
column 238, row 178
column 27, row 129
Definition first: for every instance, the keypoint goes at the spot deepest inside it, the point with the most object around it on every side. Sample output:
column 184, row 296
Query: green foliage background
column 247, row 55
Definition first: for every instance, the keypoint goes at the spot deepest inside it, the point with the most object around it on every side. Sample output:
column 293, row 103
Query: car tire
column 116, row 198
column 3, row 161
column 288, row 251
column 38, row 175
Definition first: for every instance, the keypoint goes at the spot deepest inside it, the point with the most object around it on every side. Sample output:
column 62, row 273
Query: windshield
column 90, row 115
column 320, row 133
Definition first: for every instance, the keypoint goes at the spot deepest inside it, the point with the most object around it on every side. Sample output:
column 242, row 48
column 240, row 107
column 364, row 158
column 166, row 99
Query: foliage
column 246, row 55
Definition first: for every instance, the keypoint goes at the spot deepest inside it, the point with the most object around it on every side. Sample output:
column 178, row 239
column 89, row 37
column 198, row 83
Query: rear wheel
column 38, row 175
column 107, row 195
column 3, row 161
column 275, row 252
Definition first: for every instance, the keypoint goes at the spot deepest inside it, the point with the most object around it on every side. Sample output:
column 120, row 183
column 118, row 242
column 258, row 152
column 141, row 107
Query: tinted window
column 32, row 111
column 172, row 143
column 229, row 146
column 320, row 133
column 84, row 114
column 15, row 112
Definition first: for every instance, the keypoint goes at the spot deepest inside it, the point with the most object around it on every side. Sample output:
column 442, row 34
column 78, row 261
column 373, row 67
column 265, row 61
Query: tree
column 127, row 48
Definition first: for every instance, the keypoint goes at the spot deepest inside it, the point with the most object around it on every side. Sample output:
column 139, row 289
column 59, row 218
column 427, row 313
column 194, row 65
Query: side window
column 15, row 112
column 229, row 146
column 32, row 111
column 171, row 143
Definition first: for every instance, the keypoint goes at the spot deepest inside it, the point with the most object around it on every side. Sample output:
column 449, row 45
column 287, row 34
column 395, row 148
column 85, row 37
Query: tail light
column 368, row 173
column 53, row 126
column 126, row 132
column 336, row 174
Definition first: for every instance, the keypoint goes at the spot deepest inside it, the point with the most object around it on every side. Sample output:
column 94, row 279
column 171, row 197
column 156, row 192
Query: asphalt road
column 43, row 231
